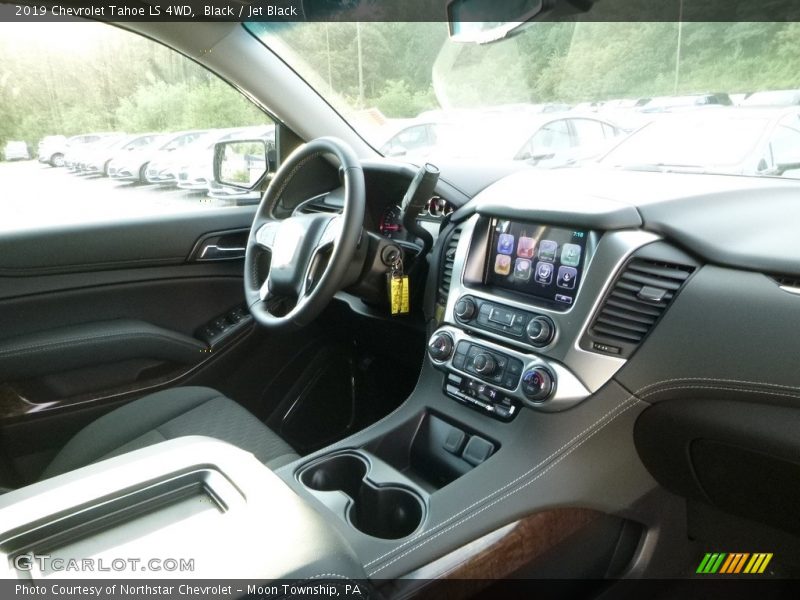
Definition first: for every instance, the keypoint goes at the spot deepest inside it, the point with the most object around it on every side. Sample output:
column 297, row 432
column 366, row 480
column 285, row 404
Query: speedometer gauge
column 391, row 222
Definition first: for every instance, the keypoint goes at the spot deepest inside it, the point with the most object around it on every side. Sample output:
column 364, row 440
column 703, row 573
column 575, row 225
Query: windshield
column 697, row 140
column 412, row 92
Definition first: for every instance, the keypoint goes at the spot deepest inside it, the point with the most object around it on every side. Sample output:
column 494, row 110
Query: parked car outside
column 773, row 98
column 51, row 150
column 165, row 170
column 76, row 146
column 16, row 150
column 87, row 153
column 133, row 166
column 668, row 103
column 411, row 137
column 198, row 171
column 560, row 140
column 99, row 158
column 740, row 140
column 544, row 139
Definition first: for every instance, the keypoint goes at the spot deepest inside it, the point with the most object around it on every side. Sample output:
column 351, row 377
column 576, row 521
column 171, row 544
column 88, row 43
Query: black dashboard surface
column 742, row 222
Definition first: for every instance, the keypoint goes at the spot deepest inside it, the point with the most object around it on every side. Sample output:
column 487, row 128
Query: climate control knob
column 440, row 347
column 465, row 309
column 540, row 331
column 484, row 364
column 538, row 384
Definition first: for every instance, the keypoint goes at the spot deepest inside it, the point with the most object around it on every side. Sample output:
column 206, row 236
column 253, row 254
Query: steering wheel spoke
column 265, row 235
column 331, row 233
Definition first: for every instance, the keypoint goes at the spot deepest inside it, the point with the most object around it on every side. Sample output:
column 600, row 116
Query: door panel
column 152, row 241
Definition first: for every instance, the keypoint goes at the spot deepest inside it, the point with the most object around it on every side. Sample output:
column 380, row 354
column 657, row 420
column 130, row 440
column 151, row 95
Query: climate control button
column 440, row 347
column 538, row 384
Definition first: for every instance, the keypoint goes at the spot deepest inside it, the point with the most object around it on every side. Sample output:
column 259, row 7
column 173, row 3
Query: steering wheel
column 287, row 282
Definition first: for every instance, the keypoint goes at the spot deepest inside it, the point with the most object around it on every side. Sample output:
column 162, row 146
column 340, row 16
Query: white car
column 16, row 151
column 51, row 150
column 198, row 171
column 133, row 166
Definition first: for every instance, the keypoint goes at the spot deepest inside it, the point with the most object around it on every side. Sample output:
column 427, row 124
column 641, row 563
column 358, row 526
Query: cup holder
column 383, row 511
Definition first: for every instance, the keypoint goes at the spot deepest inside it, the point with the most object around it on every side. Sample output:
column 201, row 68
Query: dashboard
column 678, row 293
column 390, row 220
column 558, row 282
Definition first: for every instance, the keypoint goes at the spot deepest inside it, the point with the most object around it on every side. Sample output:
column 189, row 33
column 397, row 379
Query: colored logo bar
column 734, row 563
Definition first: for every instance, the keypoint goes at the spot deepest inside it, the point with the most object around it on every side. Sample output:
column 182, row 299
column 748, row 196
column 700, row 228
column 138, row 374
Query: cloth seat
column 166, row 415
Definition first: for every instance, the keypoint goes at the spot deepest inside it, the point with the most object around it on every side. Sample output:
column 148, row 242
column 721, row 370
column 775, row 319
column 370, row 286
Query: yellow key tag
column 404, row 302
column 398, row 295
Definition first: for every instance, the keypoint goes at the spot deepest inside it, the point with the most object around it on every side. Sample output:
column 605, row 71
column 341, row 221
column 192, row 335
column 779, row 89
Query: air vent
column 636, row 301
column 448, row 258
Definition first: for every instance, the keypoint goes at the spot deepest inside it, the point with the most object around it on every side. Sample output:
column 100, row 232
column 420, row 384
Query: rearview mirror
column 484, row 21
column 241, row 164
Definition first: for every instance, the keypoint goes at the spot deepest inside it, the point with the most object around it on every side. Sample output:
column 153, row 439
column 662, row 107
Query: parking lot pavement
column 33, row 195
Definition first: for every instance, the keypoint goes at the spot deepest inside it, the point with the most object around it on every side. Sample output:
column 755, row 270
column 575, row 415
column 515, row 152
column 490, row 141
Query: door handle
column 220, row 245
column 217, row 252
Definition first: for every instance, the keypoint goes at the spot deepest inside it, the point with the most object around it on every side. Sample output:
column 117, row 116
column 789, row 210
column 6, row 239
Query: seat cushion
column 170, row 414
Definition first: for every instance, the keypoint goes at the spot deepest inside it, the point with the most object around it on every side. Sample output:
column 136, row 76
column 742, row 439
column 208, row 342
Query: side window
column 120, row 126
column 610, row 131
column 784, row 146
column 413, row 137
column 588, row 132
column 551, row 138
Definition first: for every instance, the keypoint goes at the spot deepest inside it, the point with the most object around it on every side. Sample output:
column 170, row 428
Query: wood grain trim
column 494, row 556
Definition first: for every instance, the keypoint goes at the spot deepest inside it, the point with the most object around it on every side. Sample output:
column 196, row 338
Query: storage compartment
column 433, row 451
column 200, row 497
column 191, row 499
column 377, row 503
column 743, row 461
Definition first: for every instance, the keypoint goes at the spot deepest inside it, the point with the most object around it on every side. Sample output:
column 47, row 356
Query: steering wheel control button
column 440, row 347
column 465, row 309
column 540, row 331
column 538, row 384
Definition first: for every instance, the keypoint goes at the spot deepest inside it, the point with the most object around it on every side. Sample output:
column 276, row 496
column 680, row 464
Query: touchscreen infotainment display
column 537, row 260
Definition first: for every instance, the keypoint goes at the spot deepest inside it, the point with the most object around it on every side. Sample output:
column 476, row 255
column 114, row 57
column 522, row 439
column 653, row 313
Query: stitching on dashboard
column 578, row 440
column 721, row 380
column 713, row 387
column 587, row 432
column 539, row 475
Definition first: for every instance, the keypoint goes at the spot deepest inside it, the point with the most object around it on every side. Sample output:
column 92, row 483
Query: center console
column 208, row 507
column 521, row 295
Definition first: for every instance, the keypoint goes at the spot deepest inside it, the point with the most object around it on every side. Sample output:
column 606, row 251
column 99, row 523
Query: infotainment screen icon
column 542, row 262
